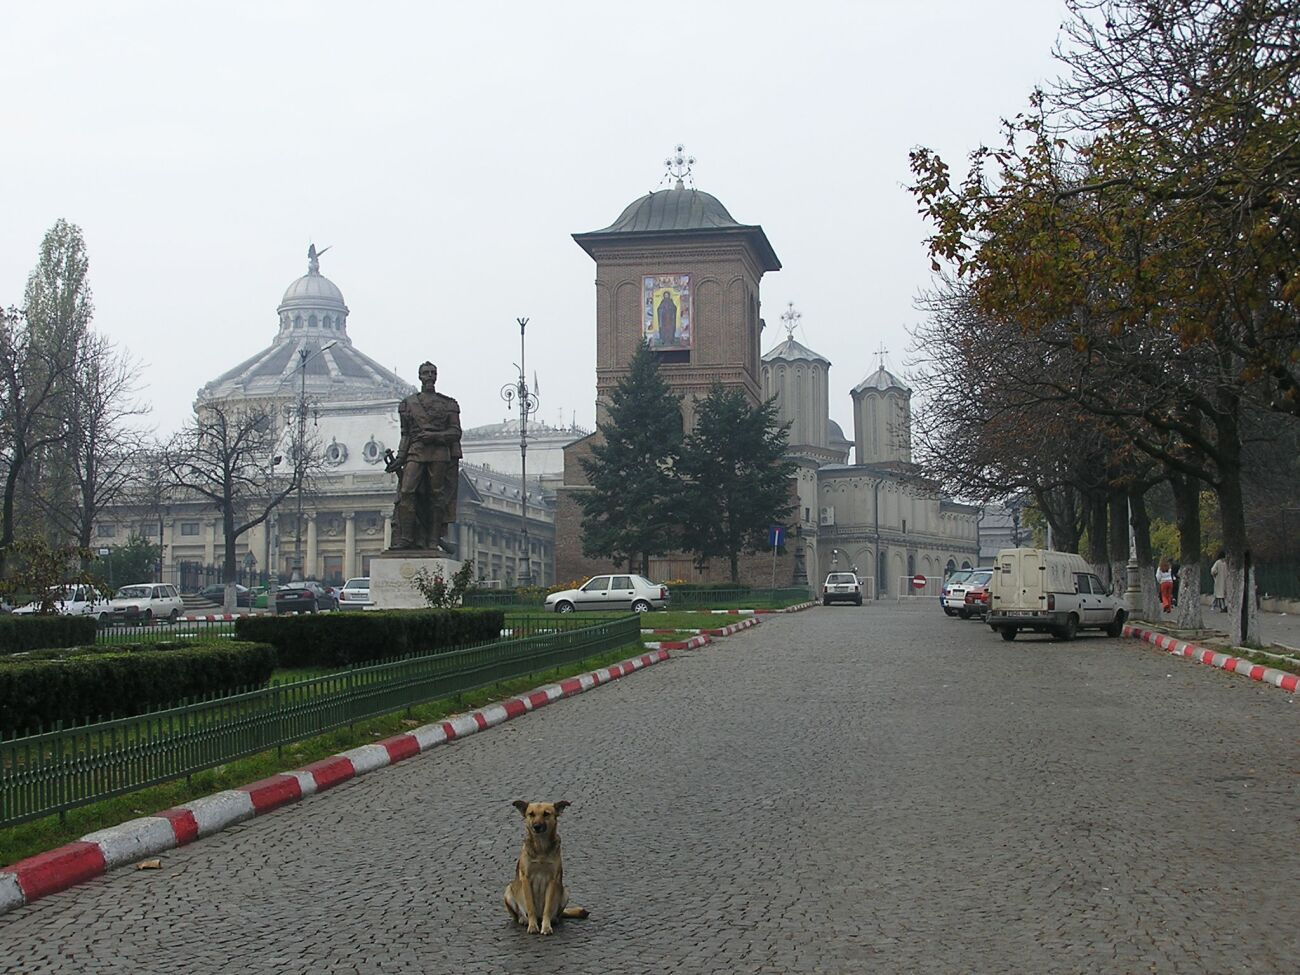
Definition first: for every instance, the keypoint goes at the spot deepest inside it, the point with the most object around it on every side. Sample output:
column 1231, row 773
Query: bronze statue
column 427, row 465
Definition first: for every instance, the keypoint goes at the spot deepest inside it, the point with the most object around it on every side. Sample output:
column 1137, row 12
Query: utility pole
column 528, row 403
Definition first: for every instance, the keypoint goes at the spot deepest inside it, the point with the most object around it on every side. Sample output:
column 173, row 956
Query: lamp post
column 269, row 525
column 518, row 390
column 304, row 357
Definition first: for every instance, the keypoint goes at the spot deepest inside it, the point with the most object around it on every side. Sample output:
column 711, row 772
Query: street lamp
column 268, row 524
column 528, row 403
column 304, row 357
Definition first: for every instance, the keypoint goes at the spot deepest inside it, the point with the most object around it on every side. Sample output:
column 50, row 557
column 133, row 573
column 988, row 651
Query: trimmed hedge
column 347, row 639
column 685, row 587
column 82, row 684
column 21, row 633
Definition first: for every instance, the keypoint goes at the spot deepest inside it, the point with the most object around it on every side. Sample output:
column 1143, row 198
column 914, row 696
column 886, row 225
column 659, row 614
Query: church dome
column 313, row 291
column 880, row 380
column 676, row 209
column 792, row 351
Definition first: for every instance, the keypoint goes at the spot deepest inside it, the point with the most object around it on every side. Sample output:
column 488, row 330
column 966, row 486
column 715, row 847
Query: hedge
column 83, row 684
column 21, row 633
column 347, row 639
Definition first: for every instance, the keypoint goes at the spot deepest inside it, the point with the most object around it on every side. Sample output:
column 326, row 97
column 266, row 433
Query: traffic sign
column 918, row 581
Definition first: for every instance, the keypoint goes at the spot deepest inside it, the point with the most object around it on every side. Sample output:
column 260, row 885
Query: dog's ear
column 520, row 805
column 562, row 805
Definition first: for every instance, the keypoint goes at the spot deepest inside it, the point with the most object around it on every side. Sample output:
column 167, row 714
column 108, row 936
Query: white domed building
column 349, row 403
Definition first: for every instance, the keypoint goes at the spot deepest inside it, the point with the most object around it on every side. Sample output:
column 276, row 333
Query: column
column 210, row 543
column 309, row 568
column 349, row 544
column 388, row 532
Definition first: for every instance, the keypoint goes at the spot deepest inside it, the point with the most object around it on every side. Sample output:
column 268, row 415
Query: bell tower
column 677, row 270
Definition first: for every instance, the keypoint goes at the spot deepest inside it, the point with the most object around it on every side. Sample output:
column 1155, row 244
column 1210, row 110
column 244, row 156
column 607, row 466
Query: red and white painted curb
column 1216, row 658
column 101, row 851
column 727, row 630
column 694, row 643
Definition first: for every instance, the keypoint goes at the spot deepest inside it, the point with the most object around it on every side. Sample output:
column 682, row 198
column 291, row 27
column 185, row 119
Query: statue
column 427, row 465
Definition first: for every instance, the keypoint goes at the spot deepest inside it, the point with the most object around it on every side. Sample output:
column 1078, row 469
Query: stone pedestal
column 391, row 574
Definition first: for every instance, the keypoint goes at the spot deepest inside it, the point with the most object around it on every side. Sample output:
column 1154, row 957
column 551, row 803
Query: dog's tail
column 575, row 912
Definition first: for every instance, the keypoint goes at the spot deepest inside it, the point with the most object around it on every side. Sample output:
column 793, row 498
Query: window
column 189, row 527
column 598, row 584
column 621, row 582
column 106, row 531
column 1081, row 583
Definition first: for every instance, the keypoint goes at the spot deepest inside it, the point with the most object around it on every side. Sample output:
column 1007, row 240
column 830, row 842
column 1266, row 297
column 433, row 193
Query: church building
column 679, row 272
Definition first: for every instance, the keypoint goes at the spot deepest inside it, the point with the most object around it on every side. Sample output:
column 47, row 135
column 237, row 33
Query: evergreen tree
column 632, row 472
column 736, row 482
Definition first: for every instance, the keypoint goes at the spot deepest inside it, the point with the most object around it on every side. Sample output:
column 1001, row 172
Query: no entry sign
column 918, row 581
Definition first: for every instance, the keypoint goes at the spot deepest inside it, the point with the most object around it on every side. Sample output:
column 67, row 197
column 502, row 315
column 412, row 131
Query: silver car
column 355, row 593
column 612, row 592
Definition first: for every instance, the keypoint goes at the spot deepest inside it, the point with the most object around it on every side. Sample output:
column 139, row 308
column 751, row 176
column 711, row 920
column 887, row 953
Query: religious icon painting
column 668, row 319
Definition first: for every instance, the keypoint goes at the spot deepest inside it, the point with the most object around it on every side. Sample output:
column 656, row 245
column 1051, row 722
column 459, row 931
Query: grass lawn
column 28, row 839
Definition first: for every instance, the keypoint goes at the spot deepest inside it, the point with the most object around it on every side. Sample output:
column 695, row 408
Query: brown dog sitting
column 537, row 896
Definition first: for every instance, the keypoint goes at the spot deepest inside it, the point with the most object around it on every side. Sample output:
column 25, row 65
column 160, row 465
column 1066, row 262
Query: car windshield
column 841, row 577
column 980, row 578
column 961, row 575
column 133, row 592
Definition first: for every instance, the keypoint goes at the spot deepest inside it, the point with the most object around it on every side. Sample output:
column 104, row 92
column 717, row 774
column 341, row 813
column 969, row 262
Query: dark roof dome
column 680, row 212
column 676, row 209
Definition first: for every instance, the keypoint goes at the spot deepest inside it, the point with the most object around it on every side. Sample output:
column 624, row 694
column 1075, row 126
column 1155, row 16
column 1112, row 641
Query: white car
column 842, row 587
column 355, row 593
column 611, row 592
column 145, row 602
column 74, row 600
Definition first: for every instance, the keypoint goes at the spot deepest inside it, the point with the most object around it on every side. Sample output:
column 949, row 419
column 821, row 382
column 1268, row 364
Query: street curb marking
column 694, row 643
column 727, row 630
column 1215, row 658
column 98, row 852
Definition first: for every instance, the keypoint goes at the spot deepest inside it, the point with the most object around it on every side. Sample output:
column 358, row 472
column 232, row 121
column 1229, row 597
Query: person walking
column 1219, row 570
column 1165, row 579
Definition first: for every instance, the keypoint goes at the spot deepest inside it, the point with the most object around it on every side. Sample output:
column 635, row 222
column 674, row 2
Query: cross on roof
column 678, row 165
column 791, row 318
column 882, row 352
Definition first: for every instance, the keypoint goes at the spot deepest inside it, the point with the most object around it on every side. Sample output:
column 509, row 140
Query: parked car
column 976, row 601
column 78, row 599
column 1051, row 592
column 957, row 591
column 326, row 600
column 950, row 598
column 625, row 592
column 217, row 594
column 842, row 587
column 145, row 602
column 355, row 593
column 295, row 598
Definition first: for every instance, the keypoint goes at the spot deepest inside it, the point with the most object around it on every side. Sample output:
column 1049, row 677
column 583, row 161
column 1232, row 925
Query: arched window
column 311, row 321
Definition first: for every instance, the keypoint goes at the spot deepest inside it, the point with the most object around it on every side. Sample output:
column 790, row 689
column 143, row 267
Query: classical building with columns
column 349, row 405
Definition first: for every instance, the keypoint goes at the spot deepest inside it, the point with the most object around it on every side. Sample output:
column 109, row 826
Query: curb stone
column 1216, row 658
column 98, row 852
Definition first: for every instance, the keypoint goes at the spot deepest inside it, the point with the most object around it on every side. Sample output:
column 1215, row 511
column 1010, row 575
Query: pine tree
column 632, row 472
column 736, row 482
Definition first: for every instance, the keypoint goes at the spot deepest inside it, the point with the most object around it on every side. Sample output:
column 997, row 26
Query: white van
column 1050, row 592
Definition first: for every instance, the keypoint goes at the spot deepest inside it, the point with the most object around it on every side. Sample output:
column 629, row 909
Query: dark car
column 217, row 594
column 296, row 598
column 326, row 597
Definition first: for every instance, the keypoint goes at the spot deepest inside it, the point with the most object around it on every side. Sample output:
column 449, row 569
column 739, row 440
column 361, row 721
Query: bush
column 81, row 684
column 347, row 639
column 22, row 633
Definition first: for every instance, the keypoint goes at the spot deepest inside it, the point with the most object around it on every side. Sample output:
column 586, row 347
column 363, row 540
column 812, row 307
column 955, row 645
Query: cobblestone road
column 846, row 789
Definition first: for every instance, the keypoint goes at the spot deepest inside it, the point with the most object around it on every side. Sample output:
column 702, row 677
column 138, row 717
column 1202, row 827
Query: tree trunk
column 1187, row 514
column 1097, row 531
column 1242, row 621
column 1119, row 532
column 1150, row 604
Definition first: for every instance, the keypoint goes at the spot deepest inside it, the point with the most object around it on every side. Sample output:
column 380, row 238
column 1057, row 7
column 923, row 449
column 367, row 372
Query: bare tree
column 222, row 456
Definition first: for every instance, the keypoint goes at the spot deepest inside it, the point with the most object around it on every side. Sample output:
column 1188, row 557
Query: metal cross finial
column 679, row 165
column 882, row 352
column 791, row 319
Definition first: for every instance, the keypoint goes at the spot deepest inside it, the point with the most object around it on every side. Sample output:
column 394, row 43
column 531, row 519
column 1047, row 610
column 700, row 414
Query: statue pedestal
column 391, row 574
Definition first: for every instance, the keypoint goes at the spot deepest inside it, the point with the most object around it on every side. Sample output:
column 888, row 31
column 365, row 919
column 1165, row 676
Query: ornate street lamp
column 528, row 402
column 304, row 357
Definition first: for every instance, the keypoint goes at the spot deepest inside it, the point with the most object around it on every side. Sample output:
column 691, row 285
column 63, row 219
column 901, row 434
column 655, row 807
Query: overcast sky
column 446, row 153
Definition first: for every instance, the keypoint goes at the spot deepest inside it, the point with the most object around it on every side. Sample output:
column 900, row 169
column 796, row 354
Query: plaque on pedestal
column 391, row 574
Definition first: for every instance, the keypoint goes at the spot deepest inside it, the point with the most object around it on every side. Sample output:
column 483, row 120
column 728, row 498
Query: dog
column 537, row 896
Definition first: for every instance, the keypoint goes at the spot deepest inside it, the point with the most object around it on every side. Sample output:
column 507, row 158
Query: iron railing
column 55, row 771
column 744, row 598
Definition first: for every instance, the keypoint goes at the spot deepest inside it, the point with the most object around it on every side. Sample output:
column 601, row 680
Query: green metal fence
column 59, row 770
column 744, row 598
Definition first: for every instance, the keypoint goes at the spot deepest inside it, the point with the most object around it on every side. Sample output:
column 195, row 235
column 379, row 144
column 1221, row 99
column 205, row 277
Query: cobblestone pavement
column 875, row 789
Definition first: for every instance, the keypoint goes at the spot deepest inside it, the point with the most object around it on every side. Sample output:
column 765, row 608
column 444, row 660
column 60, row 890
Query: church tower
column 882, row 419
column 677, row 270
column 799, row 378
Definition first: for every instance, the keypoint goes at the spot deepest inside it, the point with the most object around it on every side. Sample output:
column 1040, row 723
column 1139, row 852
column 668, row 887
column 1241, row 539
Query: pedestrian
column 1165, row 579
column 1220, row 573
